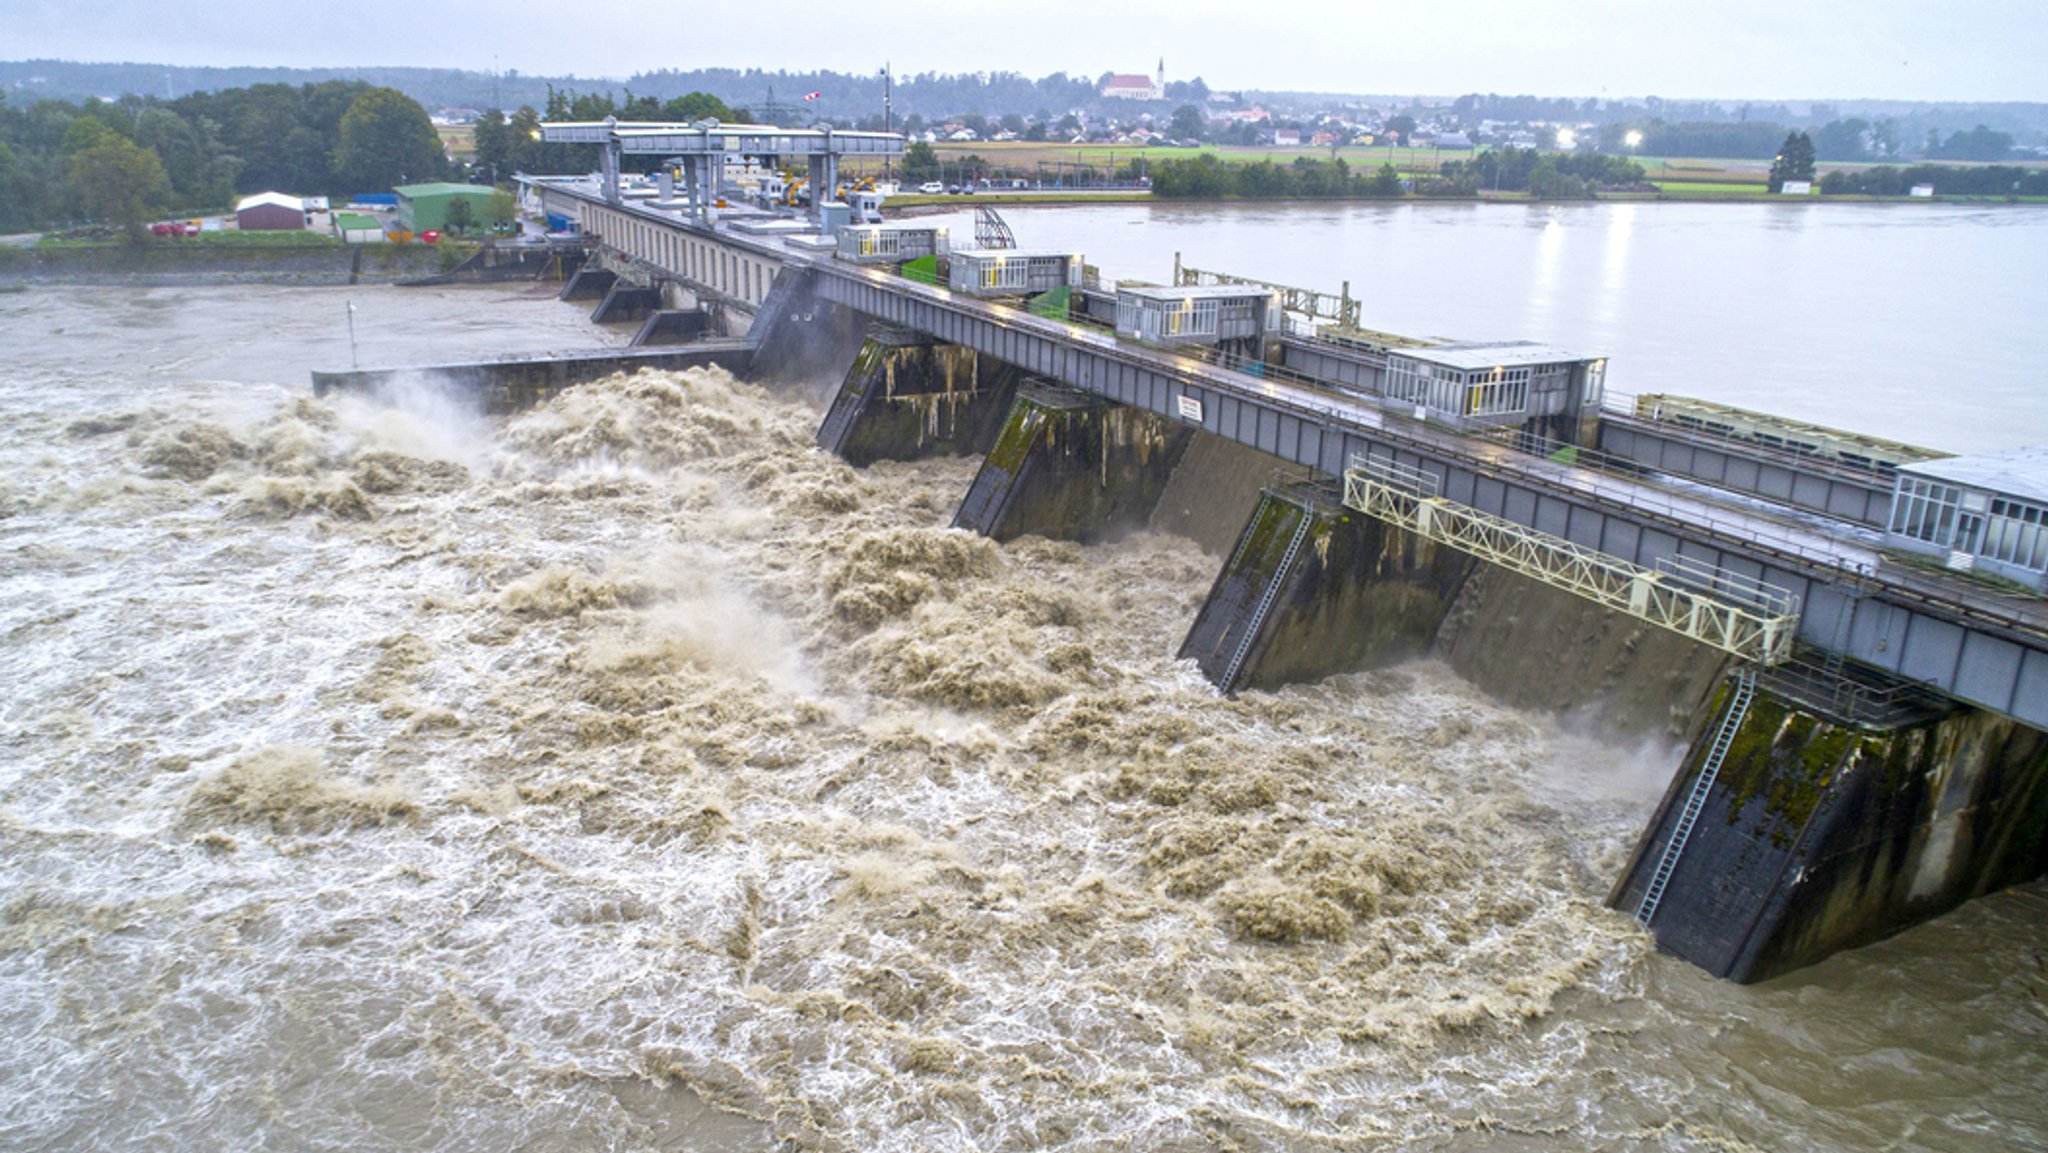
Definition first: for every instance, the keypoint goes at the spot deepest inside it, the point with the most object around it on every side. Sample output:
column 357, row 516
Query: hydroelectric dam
column 1849, row 633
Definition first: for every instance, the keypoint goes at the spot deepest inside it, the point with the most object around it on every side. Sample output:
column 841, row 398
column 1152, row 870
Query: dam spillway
column 1852, row 609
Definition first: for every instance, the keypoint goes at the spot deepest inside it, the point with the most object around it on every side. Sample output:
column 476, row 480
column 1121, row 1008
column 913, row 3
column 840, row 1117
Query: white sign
column 1190, row 408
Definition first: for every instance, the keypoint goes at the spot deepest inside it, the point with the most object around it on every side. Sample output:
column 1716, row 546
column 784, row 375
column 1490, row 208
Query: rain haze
column 1971, row 50
column 1469, row 582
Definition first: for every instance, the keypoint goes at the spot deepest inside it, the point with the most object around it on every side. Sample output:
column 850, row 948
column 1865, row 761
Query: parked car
column 931, row 188
column 430, row 236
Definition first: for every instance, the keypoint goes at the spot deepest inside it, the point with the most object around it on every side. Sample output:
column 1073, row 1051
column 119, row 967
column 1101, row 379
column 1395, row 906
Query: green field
column 1050, row 158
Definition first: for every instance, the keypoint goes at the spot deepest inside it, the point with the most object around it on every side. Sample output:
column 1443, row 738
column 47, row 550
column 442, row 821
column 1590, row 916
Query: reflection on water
column 630, row 774
column 1916, row 322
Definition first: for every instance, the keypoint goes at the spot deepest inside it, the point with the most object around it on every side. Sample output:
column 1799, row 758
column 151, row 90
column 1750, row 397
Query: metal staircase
column 991, row 230
column 1257, row 617
column 1731, row 722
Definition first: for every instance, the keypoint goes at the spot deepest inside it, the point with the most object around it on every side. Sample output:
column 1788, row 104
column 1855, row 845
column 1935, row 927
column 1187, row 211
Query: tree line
column 121, row 160
column 1544, row 175
column 1205, row 177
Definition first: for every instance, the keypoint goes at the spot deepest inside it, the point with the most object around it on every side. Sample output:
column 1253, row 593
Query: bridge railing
column 1314, row 401
column 1729, row 611
column 1828, row 688
column 1861, row 470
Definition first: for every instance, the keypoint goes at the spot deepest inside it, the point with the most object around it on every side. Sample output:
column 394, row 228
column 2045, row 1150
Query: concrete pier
column 672, row 326
column 908, row 396
column 588, row 282
column 800, row 339
column 1820, row 833
column 1071, row 466
column 522, row 382
column 1314, row 588
column 625, row 302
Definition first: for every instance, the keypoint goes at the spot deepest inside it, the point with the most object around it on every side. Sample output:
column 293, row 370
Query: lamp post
column 888, row 117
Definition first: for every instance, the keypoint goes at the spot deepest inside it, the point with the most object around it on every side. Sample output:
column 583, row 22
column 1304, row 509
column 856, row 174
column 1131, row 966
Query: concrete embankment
column 154, row 264
column 522, row 382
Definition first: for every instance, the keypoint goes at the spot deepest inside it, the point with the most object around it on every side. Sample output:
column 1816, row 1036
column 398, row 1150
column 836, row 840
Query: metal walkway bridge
column 1967, row 641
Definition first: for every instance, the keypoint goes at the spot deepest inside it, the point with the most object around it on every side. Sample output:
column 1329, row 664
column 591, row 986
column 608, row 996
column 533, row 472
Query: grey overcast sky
column 1944, row 50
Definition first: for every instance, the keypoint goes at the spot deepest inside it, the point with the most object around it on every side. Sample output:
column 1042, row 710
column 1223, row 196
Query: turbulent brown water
column 629, row 774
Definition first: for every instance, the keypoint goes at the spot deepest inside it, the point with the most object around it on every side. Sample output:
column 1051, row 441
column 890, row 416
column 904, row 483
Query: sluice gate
column 1795, row 826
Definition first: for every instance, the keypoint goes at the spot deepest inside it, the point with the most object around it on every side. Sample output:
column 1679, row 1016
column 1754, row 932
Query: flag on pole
column 808, row 96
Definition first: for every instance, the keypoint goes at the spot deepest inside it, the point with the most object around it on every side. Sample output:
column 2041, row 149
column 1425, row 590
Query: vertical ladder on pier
column 1257, row 618
column 1731, row 721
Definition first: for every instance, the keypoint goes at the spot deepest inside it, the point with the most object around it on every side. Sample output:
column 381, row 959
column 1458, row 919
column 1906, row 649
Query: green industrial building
column 425, row 206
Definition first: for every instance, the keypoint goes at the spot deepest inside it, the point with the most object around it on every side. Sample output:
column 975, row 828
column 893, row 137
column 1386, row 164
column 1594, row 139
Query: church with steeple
column 1132, row 86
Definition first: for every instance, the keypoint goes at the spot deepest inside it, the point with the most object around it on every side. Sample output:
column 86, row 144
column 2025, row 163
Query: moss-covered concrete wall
column 907, row 397
column 1819, row 835
column 1071, row 466
column 1357, row 593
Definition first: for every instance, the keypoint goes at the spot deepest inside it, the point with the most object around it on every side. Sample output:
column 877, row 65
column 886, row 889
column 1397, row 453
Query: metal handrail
column 1321, row 405
column 1880, row 473
column 1833, row 691
column 1749, row 619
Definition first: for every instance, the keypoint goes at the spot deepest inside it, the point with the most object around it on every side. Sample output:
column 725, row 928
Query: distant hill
column 26, row 81
column 845, row 97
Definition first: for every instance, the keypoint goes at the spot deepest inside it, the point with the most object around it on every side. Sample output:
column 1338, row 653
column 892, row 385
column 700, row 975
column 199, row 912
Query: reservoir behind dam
column 1912, row 322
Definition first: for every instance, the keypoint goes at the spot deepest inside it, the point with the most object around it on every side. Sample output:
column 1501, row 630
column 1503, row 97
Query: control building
column 1513, row 384
column 1977, row 513
column 1236, row 318
column 994, row 272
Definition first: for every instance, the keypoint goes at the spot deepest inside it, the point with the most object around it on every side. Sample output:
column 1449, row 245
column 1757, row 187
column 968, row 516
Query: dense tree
column 1979, row 143
column 695, row 106
column 1794, row 161
column 1981, row 180
column 493, row 140
column 1842, row 140
column 920, row 163
column 1570, row 175
column 1745, row 140
column 1187, row 123
column 117, row 182
column 1547, row 181
column 387, row 140
column 1402, row 126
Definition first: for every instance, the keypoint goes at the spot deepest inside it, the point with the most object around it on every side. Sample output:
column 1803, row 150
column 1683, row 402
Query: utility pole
column 888, row 119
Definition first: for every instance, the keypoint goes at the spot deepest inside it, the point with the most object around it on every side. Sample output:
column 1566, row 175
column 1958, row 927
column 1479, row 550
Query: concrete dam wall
column 1788, row 831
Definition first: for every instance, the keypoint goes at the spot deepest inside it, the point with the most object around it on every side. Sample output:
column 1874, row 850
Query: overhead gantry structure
column 704, row 145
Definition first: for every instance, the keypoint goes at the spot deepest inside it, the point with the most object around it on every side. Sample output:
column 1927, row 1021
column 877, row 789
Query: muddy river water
column 629, row 774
